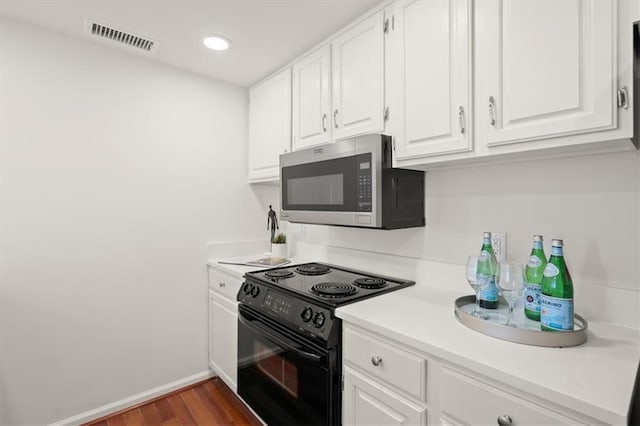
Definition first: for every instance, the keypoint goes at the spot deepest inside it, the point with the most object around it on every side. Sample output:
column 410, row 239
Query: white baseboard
column 122, row 404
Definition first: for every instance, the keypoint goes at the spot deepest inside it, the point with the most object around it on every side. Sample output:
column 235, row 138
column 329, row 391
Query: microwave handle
column 277, row 339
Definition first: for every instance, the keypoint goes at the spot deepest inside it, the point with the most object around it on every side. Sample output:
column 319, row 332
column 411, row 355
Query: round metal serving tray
column 526, row 330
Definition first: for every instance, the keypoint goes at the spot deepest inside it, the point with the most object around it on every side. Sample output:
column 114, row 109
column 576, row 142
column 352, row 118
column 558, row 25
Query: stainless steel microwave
column 351, row 183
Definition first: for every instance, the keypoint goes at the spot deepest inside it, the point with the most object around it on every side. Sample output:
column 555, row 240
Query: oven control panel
column 299, row 315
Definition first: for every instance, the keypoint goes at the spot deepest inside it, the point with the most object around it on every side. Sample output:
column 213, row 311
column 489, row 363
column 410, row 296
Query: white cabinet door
column 364, row 402
column 545, row 69
column 269, row 126
column 223, row 338
column 311, row 99
column 357, row 62
column 433, row 55
column 468, row 401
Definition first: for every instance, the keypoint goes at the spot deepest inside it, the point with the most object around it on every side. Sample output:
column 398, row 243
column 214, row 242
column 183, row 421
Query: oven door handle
column 279, row 340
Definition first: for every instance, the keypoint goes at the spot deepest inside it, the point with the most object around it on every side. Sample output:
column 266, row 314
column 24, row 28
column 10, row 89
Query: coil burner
column 334, row 290
column 370, row 283
column 313, row 269
column 279, row 273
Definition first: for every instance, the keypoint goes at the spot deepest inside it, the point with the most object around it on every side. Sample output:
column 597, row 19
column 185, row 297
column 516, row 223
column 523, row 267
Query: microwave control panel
column 365, row 182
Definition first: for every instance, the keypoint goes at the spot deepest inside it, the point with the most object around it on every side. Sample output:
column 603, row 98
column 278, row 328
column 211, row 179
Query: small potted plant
column 279, row 246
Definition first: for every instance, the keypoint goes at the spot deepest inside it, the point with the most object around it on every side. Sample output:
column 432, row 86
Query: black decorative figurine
column 274, row 222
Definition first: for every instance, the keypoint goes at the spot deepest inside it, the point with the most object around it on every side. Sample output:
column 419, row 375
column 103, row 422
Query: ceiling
column 265, row 34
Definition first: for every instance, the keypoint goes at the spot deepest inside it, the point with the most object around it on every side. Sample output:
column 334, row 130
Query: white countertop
column 596, row 377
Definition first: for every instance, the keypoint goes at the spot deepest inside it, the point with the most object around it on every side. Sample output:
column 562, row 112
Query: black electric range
column 289, row 339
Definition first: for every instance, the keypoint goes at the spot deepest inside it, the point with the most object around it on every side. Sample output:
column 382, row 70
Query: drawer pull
column 505, row 420
column 376, row 360
column 222, row 285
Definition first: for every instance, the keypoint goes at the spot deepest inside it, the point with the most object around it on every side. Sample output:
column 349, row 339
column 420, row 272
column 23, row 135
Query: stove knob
column 247, row 288
column 255, row 291
column 318, row 319
column 306, row 314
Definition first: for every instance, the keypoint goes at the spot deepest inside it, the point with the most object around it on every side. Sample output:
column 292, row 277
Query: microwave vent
column 122, row 38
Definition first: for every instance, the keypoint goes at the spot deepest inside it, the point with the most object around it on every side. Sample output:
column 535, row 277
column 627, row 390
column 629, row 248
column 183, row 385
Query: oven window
column 316, row 190
column 277, row 368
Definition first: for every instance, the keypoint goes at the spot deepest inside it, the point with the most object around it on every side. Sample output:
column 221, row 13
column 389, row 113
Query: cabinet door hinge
column 623, row 98
column 393, row 144
column 386, row 114
column 385, row 27
column 393, row 22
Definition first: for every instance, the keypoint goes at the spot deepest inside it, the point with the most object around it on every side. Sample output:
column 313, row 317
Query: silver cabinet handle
column 623, row 98
column 376, row 360
column 505, row 420
column 335, row 118
column 461, row 118
column 492, row 107
column 222, row 285
column 324, row 123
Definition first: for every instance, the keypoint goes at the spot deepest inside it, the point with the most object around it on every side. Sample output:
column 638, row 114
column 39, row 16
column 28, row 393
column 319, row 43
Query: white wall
column 592, row 202
column 115, row 173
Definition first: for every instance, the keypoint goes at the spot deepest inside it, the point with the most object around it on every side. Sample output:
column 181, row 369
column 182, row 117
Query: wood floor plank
column 164, row 410
column 134, row 418
column 150, row 414
column 117, row 420
column 180, row 409
column 207, row 403
column 232, row 403
column 197, row 409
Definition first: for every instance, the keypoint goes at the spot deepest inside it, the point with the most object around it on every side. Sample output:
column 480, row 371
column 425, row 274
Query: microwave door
column 322, row 192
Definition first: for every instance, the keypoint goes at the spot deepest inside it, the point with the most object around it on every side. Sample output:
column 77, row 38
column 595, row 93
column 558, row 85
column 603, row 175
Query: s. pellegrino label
column 533, row 279
column 557, row 313
column 556, row 300
column 489, row 295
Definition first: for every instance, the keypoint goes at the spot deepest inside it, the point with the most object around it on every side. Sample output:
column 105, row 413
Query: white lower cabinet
column 223, row 325
column 386, row 382
column 383, row 383
column 467, row 400
column 366, row 402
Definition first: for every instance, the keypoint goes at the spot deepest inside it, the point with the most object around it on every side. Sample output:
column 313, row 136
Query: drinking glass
column 479, row 272
column 510, row 285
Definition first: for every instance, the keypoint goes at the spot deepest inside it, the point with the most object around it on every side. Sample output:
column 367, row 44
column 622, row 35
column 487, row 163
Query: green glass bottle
column 556, row 300
column 489, row 296
column 533, row 276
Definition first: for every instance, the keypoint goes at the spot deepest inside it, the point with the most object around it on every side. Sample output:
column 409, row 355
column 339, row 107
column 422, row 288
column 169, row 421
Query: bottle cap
column 557, row 243
column 538, row 238
column 486, row 235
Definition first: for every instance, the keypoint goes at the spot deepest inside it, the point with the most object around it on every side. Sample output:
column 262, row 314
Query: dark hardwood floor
column 206, row 403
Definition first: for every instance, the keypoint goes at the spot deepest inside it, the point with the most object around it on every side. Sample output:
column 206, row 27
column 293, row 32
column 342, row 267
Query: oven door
column 285, row 379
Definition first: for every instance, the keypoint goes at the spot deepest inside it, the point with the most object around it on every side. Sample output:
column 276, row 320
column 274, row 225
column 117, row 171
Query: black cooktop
column 327, row 284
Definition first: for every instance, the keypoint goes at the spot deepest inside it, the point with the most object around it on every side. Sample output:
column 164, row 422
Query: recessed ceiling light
column 217, row 43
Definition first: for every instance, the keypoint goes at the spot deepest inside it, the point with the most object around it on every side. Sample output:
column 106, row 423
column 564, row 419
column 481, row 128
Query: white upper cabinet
column 432, row 56
column 269, row 126
column 311, row 99
column 357, row 57
column 545, row 69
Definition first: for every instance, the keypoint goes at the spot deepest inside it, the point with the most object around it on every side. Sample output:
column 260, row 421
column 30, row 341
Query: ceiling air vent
column 123, row 38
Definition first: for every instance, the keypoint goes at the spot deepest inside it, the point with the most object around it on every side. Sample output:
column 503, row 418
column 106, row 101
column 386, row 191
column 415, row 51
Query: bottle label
column 532, row 296
column 551, row 270
column 556, row 313
column 485, row 255
column 534, row 262
column 490, row 293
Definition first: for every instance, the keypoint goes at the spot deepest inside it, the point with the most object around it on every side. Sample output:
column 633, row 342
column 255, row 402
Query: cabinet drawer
column 224, row 283
column 395, row 365
column 466, row 400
